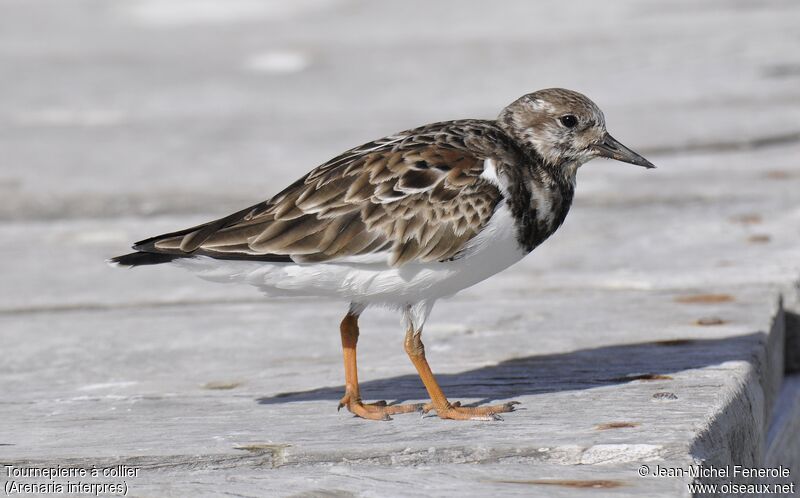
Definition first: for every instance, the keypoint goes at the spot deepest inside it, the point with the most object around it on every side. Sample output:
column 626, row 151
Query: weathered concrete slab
column 596, row 389
column 648, row 331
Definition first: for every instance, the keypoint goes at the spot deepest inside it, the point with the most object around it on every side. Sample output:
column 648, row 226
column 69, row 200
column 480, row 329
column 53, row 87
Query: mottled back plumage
column 417, row 195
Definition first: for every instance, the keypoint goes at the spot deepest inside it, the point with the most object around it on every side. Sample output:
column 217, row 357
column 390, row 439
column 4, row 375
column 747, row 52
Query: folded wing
column 410, row 197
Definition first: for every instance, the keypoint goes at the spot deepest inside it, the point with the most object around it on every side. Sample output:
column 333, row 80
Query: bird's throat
column 539, row 202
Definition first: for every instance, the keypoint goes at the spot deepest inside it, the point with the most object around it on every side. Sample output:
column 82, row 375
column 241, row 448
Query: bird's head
column 565, row 128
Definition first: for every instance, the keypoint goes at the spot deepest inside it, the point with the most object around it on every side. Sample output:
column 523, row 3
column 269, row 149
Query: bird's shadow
column 539, row 374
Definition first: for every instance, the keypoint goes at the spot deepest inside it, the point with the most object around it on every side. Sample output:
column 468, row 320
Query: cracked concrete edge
column 269, row 455
column 783, row 437
column 758, row 424
column 792, row 349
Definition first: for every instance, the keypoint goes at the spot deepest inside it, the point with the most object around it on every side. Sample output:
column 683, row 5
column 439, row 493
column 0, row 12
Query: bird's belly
column 490, row 252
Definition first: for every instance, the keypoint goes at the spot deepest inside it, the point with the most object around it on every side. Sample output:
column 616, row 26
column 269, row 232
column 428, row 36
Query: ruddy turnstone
column 405, row 220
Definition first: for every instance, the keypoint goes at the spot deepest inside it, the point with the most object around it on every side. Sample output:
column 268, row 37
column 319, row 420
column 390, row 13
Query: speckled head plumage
column 565, row 128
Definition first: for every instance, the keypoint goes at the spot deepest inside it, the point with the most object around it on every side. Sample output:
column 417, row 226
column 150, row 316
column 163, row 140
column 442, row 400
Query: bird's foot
column 455, row 411
column 378, row 410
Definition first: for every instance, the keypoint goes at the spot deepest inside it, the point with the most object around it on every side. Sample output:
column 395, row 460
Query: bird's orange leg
column 444, row 409
column 352, row 397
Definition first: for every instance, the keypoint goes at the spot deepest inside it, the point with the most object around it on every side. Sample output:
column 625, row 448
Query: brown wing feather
column 417, row 195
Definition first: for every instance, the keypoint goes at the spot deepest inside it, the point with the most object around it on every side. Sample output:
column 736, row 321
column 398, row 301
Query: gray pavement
column 648, row 331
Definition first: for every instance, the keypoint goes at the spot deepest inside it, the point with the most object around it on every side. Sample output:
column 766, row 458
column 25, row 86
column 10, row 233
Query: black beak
column 612, row 149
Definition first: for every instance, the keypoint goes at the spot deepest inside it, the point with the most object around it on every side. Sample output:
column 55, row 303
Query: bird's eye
column 569, row 120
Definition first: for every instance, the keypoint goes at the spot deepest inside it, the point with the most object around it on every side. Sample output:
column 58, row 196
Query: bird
column 404, row 221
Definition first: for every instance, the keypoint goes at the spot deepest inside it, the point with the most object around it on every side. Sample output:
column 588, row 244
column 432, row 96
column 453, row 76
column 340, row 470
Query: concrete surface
column 650, row 330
